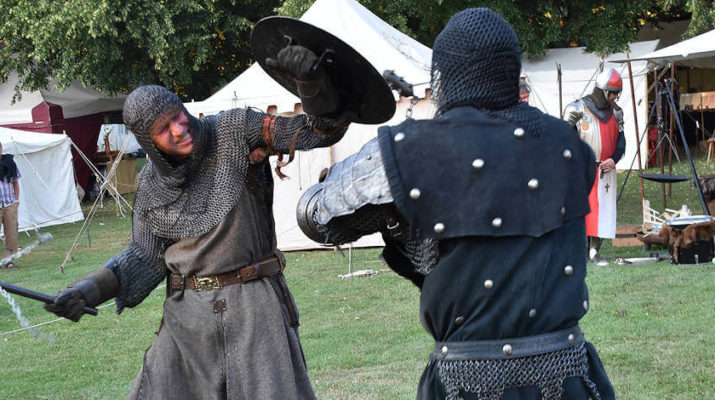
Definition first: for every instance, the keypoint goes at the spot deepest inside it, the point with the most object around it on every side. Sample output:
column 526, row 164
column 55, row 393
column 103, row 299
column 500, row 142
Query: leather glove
column 315, row 89
column 69, row 303
column 93, row 289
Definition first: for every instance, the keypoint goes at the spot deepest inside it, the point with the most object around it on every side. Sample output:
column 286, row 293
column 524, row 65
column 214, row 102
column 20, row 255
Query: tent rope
column 531, row 85
column 36, row 226
column 27, row 160
column 30, row 328
column 106, row 181
column 106, row 184
column 593, row 76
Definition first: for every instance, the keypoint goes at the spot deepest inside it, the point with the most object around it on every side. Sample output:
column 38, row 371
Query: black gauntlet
column 315, row 89
column 93, row 289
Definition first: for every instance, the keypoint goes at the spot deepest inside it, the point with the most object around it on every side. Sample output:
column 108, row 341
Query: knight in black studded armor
column 203, row 219
column 483, row 209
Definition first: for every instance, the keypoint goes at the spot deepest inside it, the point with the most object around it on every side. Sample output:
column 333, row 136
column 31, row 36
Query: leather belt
column 258, row 270
column 502, row 349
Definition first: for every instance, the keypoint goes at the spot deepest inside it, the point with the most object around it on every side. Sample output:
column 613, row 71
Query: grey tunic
column 252, row 349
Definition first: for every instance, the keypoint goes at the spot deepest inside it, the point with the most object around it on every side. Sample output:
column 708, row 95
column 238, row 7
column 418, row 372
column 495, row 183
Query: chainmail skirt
column 485, row 369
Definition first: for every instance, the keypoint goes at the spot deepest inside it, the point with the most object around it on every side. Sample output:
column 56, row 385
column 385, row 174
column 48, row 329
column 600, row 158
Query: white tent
column 48, row 195
column 698, row 51
column 579, row 71
column 75, row 100
column 384, row 47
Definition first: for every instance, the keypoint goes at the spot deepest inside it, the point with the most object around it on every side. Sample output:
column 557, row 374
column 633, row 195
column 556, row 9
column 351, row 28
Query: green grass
column 653, row 324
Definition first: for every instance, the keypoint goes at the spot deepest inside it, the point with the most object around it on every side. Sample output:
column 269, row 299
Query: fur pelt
column 686, row 237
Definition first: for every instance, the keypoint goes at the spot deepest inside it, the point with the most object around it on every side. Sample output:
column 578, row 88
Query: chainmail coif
column 186, row 198
column 476, row 60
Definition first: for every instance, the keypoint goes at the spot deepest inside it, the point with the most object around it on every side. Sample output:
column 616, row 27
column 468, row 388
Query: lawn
column 653, row 324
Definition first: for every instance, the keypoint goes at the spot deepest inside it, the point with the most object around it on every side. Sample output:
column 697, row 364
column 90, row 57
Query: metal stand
column 350, row 261
column 674, row 112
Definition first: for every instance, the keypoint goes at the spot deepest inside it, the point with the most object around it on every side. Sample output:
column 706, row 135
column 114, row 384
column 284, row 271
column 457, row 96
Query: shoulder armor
column 354, row 182
column 618, row 115
column 503, row 178
column 573, row 112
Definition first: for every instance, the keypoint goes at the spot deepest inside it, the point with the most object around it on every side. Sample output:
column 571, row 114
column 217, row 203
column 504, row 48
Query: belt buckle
column 206, row 283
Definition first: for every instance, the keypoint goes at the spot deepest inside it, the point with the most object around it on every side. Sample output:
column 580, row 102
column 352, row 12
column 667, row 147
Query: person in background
column 9, row 202
column 524, row 91
column 599, row 122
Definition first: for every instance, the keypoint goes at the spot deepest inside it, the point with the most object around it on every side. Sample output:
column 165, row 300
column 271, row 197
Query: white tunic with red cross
column 602, row 137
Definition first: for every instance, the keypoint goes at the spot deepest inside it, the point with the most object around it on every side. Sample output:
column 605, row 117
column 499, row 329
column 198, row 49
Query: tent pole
column 670, row 131
column 687, row 153
column 702, row 119
column 561, row 107
column 635, row 119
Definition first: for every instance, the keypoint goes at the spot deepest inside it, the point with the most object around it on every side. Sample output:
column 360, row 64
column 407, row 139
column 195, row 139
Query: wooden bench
column 626, row 235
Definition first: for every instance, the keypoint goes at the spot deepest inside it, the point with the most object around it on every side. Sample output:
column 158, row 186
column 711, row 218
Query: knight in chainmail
column 482, row 208
column 599, row 122
column 203, row 222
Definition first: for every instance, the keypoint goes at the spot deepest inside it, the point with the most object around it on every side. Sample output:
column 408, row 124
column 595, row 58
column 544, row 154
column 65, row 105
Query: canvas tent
column 75, row 100
column 48, row 195
column 579, row 71
column 384, row 47
column 77, row 111
column 698, row 52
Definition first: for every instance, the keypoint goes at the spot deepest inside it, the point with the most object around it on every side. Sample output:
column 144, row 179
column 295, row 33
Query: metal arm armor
column 355, row 200
column 573, row 112
column 351, row 184
column 618, row 115
column 354, row 182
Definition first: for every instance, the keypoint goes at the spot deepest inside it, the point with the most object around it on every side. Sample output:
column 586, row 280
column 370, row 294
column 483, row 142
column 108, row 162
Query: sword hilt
column 45, row 298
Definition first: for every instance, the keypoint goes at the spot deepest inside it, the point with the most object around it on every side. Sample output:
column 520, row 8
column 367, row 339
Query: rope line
column 59, row 319
column 104, row 187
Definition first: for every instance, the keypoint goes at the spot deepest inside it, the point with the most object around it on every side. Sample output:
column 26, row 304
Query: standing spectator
column 524, row 91
column 9, row 201
column 599, row 122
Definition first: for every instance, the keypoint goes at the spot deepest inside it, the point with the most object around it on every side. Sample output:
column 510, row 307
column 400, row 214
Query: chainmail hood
column 147, row 110
column 476, row 60
column 186, row 198
column 599, row 99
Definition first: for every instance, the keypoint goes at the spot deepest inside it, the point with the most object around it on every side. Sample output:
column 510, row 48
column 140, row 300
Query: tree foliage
column 196, row 46
column 702, row 14
column 191, row 46
column 602, row 26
